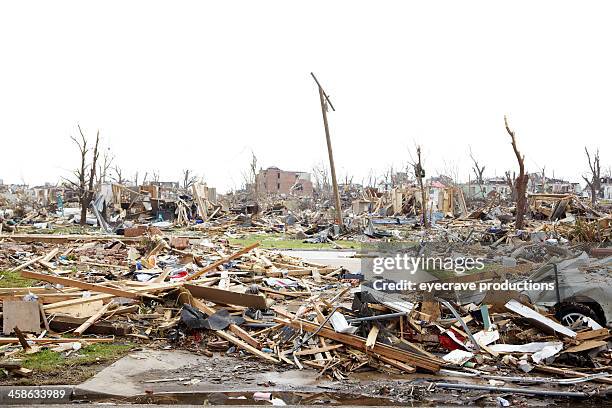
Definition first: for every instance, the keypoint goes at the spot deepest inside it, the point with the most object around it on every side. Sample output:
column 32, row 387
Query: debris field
column 181, row 282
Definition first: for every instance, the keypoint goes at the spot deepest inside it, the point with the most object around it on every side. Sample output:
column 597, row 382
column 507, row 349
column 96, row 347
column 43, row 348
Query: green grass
column 445, row 273
column 48, row 360
column 282, row 241
column 70, row 229
column 14, row 280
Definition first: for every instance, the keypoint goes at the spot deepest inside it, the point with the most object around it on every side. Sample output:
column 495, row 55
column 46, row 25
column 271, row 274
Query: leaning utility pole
column 324, row 102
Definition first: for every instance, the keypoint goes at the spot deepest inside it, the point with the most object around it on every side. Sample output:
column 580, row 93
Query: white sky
column 199, row 85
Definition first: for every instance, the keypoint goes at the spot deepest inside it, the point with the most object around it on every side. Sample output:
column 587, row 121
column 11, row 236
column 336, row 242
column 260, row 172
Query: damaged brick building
column 277, row 181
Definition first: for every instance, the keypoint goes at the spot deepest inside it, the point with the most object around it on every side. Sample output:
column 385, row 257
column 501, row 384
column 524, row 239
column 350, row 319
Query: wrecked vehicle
column 583, row 290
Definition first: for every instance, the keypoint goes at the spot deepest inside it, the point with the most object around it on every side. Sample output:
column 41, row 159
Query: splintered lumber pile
column 79, row 291
column 359, row 343
column 207, row 295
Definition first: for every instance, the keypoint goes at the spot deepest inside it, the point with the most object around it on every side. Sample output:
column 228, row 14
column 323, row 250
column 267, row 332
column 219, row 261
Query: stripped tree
column 189, row 178
column 419, row 173
column 322, row 181
column 594, row 180
column 104, row 167
column 520, row 182
column 478, row 171
column 249, row 179
column 85, row 175
column 510, row 181
column 253, row 177
column 118, row 177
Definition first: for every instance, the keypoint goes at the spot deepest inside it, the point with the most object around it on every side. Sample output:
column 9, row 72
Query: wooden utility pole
column 324, row 102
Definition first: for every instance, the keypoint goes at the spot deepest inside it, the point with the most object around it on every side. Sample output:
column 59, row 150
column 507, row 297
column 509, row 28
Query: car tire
column 569, row 313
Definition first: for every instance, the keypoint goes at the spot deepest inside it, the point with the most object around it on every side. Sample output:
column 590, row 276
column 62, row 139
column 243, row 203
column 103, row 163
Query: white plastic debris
column 486, row 337
column 458, row 357
column 524, row 311
column 547, row 352
column 340, row 325
column 524, row 348
column 502, row 402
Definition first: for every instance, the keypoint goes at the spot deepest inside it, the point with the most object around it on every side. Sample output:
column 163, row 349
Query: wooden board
column 592, row 334
column 80, row 310
column 15, row 340
column 246, row 343
column 226, row 297
column 78, row 284
column 25, row 315
column 322, row 349
column 58, row 238
column 65, row 323
column 393, row 353
column 220, row 262
column 587, row 345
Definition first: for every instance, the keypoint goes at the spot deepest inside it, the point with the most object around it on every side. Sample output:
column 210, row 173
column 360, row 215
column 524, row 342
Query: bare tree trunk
column 420, row 174
column 521, row 181
column 188, row 179
column 83, row 219
column 253, row 177
column 478, row 172
column 90, row 192
column 595, row 182
column 86, row 174
column 511, row 181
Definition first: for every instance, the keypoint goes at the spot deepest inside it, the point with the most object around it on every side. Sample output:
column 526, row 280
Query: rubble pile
column 208, row 296
column 156, row 266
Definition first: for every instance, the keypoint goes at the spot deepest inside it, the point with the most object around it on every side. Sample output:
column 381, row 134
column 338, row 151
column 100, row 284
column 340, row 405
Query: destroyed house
column 540, row 184
column 276, row 181
column 498, row 184
column 564, row 187
column 168, row 185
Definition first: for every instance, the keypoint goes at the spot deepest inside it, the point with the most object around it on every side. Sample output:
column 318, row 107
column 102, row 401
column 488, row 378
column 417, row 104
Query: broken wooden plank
column 73, row 302
column 220, row 262
column 592, row 334
column 82, row 310
column 587, row 345
column 323, row 349
column 94, row 287
column 372, row 336
column 43, row 316
column 238, row 331
column 61, row 238
column 227, row 297
column 13, row 340
column 82, row 328
column 27, row 263
column 45, row 261
column 357, row 342
column 397, row 364
column 21, row 338
column 245, row 346
column 234, row 328
column 62, row 324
